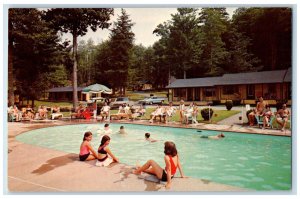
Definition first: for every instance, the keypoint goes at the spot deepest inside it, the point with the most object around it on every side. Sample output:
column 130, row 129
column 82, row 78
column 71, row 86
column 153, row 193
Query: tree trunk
column 11, row 97
column 74, row 82
column 10, row 78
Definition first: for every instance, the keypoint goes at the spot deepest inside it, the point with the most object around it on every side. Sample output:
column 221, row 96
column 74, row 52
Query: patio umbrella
column 97, row 88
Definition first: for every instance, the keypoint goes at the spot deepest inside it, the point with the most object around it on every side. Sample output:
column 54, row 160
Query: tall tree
column 240, row 58
column 102, row 59
column 77, row 21
column 33, row 48
column 86, row 55
column 14, row 24
column 214, row 25
column 182, row 37
column 121, row 42
column 185, row 39
column 270, row 32
column 136, row 67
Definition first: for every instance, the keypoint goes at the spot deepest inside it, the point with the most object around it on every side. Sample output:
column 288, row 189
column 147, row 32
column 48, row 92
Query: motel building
column 241, row 88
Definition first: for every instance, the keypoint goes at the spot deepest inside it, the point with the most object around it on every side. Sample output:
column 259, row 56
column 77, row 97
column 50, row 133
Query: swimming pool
column 257, row 162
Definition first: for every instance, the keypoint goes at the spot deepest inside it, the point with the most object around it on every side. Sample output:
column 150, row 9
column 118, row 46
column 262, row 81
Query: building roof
column 64, row 89
column 195, row 82
column 263, row 77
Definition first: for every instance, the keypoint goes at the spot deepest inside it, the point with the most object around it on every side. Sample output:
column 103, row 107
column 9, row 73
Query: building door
column 251, row 91
column 190, row 94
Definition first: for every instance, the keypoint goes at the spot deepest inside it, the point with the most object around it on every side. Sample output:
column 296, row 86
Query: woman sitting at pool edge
column 172, row 162
column 105, row 156
column 86, row 148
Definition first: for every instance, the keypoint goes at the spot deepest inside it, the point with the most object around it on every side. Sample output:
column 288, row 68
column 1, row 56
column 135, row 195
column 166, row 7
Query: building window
column 210, row 92
column 230, row 90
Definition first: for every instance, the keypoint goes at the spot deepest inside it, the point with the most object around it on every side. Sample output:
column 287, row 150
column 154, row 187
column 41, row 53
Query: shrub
column 229, row 105
column 207, row 113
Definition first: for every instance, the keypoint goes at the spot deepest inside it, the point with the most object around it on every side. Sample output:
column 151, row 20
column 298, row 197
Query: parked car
column 120, row 101
column 152, row 100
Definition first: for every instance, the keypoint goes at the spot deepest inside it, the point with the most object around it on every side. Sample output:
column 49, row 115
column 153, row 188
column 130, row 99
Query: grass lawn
column 38, row 103
column 217, row 116
column 136, row 96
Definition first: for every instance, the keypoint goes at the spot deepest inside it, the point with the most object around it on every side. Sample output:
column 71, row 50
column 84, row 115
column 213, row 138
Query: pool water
column 258, row 162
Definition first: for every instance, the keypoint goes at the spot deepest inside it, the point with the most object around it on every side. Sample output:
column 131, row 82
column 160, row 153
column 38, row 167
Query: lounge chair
column 260, row 121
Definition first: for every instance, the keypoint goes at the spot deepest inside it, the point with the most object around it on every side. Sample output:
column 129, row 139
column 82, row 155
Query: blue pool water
column 258, row 162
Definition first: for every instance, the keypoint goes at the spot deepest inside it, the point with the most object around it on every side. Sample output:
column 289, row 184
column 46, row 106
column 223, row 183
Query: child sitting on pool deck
column 105, row 156
column 86, row 147
column 172, row 162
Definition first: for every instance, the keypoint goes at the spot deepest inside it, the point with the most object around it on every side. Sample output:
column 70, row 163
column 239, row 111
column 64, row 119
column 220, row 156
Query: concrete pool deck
column 36, row 169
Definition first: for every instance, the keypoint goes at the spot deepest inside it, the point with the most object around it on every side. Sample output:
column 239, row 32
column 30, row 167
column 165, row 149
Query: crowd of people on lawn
column 262, row 113
column 104, row 156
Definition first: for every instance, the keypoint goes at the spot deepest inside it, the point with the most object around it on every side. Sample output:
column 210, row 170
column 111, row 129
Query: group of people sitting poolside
column 128, row 112
column 104, row 156
column 263, row 111
column 27, row 113
column 186, row 114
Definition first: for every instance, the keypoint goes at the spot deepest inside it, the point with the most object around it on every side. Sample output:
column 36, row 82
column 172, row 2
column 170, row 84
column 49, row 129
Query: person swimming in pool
column 86, row 148
column 106, row 130
column 147, row 137
column 214, row 137
column 105, row 156
column 172, row 163
column 122, row 130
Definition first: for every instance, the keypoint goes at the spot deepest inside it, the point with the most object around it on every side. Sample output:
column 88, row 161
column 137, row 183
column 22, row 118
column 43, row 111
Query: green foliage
column 240, row 58
column 179, row 47
column 138, row 67
column 215, row 22
column 207, row 113
column 121, row 42
column 57, row 76
column 86, row 62
column 77, row 21
column 33, row 48
column 269, row 29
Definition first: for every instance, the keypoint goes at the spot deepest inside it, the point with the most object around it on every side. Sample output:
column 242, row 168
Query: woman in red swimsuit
column 172, row 162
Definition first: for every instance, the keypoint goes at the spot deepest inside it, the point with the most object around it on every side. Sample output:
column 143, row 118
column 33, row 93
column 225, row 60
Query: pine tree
column 214, row 23
column 121, row 42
